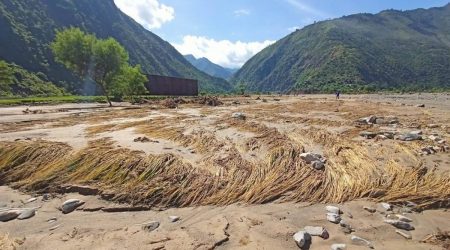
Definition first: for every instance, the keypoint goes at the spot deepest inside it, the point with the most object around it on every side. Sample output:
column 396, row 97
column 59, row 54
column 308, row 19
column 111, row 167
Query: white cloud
column 307, row 8
column 241, row 12
column 224, row 52
column 149, row 13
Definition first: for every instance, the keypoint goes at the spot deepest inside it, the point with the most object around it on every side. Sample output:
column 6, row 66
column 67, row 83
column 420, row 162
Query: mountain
column 27, row 27
column 210, row 68
column 407, row 50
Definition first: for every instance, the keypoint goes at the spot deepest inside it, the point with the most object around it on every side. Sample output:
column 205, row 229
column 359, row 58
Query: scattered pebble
column 174, row 218
column 361, row 241
column 240, row 116
column 150, row 226
column 386, row 206
column 338, row 247
column 31, row 200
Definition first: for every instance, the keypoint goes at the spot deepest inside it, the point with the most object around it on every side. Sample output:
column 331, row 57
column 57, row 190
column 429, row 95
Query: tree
column 130, row 82
column 241, row 87
column 101, row 60
column 6, row 76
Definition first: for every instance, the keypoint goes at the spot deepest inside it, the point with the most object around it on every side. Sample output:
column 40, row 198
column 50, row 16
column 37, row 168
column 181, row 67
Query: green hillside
column 392, row 50
column 27, row 27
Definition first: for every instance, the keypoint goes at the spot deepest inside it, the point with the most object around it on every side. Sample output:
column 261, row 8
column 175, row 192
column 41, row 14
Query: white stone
column 361, row 241
column 386, row 206
column 302, row 238
column 404, row 234
column 333, row 218
column 174, row 218
column 317, row 231
column 338, row 247
column 333, row 209
column 31, row 200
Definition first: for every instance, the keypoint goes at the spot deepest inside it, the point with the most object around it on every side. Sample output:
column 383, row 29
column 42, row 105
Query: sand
column 238, row 225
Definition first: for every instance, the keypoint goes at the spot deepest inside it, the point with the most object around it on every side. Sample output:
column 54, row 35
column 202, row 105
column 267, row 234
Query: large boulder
column 26, row 214
column 9, row 215
column 302, row 239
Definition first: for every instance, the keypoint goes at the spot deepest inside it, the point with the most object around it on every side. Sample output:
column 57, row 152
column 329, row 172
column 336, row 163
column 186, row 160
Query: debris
column 174, row 218
column 400, row 224
column 26, row 214
column 150, row 226
column 317, row 231
column 83, row 190
column 70, row 205
column 303, row 239
column 420, row 105
column 404, row 234
column 54, row 228
column 361, row 241
column 433, row 126
column 338, row 247
column 46, row 197
column 317, row 161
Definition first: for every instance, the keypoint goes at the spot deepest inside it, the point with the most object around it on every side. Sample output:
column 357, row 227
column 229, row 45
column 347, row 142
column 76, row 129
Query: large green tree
column 100, row 60
column 130, row 82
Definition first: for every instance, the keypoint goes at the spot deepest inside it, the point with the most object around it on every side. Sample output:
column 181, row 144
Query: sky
column 229, row 32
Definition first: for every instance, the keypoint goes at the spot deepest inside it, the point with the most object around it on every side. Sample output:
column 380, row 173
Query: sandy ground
column 269, row 226
column 237, row 226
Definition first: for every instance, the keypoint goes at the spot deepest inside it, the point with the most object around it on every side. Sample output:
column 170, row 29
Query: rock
column 150, row 226
column 386, row 206
column 400, row 224
column 361, row 241
column 409, row 137
column 428, row 150
column 26, row 214
column 318, row 165
column 367, row 120
column 9, row 215
column 70, row 205
column 420, row 105
column 404, row 234
column 338, row 247
column 370, row 209
column 333, row 209
column 317, row 231
column 240, row 116
column 303, row 239
column 433, row 126
column 46, row 197
column 416, row 132
column 52, row 219
column 333, row 218
column 311, row 157
column 347, row 230
column 368, row 135
column 174, row 218
column 31, row 200
column 387, row 134
column 403, row 218
column 405, row 210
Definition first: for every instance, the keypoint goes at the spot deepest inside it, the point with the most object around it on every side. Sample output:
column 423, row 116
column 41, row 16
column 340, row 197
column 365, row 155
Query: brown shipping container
column 171, row 86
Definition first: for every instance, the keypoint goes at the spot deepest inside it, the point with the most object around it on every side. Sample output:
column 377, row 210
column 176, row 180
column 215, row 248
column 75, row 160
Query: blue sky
column 229, row 32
